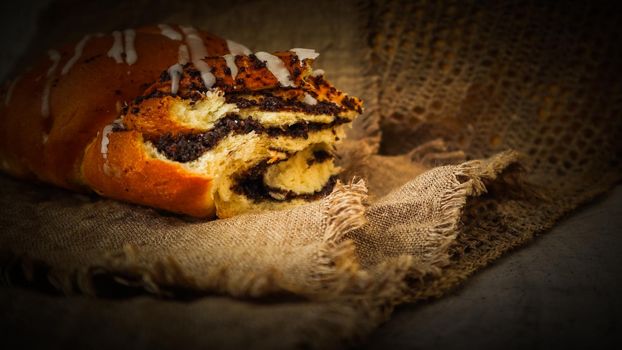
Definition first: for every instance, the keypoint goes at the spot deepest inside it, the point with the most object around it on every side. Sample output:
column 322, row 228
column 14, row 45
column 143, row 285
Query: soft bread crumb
column 293, row 167
column 203, row 114
column 237, row 153
column 300, row 174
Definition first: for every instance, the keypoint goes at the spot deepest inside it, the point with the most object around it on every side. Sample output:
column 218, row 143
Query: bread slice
column 246, row 144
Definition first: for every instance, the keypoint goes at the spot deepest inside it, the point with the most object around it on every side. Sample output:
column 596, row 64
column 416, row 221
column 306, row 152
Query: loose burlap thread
column 443, row 83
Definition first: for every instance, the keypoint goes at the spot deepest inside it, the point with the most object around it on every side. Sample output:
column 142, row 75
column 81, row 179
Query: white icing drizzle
column 237, row 48
column 9, row 92
column 76, row 56
column 310, row 100
column 208, row 78
column 276, row 67
column 169, row 32
column 45, row 99
column 230, row 60
column 130, row 51
column 175, row 72
column 55, row 58
column 105, row 141
column 317, row 73
column 304, row 54
column 117, row 47
column 195, row 43
column 183, row 56
column 198, row 51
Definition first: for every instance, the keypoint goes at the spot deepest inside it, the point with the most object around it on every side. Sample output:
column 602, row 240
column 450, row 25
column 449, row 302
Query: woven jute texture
column 484, row 123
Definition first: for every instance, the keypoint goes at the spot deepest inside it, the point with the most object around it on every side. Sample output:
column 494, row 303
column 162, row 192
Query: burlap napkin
column 443, row 83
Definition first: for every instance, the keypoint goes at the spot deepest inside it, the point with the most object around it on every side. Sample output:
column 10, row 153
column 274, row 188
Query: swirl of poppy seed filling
column 185, row 148
column 275, row 104
column 250, row 183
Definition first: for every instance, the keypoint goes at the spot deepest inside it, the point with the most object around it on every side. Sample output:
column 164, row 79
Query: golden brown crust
column 82, row 102
column 20, row 134
column 127, row 173
column 153, row 118
column 150, row 112
column 252, row 76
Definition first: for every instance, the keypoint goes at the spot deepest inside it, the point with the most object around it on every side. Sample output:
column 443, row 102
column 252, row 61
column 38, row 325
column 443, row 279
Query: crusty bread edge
column 126, row 172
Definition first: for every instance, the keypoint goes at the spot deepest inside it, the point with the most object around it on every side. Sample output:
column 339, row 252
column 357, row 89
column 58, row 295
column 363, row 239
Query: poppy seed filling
column 250, row 183
column 185, row 148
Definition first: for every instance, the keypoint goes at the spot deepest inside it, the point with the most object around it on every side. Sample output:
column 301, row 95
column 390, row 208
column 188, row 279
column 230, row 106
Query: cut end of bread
column 259, row 144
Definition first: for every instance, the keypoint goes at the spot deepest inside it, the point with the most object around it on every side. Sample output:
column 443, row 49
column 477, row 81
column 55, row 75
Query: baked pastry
column 177, row 119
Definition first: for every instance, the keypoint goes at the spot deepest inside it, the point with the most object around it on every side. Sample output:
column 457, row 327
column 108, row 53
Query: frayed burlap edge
column 469, row 182
column 455, row 273
column 342, row 211
column 338, row 270
column 369, row 294
column 509, row 170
